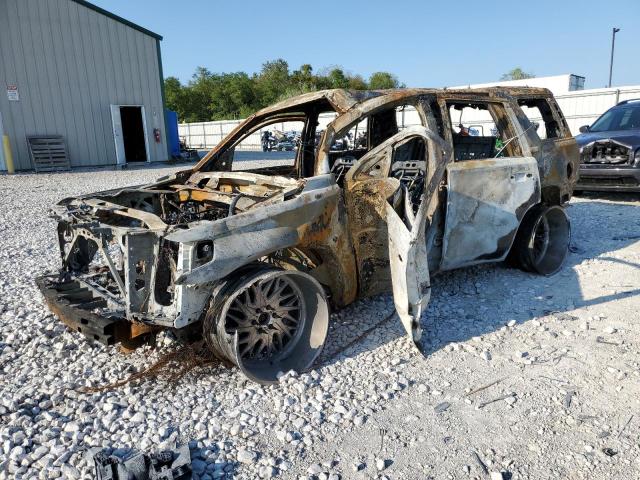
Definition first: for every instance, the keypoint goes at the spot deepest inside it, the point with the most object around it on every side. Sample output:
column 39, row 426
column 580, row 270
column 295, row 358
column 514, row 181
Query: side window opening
column 346, row 150
column 407, row 116
column 540, row 114
column 481, row 130
column 366, row 134
column 272, row 146
column 408, row 164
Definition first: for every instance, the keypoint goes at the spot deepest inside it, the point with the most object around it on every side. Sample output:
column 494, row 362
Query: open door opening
column 391, row 195
column 129, row 134
column 133, row 134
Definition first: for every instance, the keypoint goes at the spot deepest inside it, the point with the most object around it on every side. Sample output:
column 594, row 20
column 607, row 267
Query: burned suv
column 252, row 254
column 610, row 150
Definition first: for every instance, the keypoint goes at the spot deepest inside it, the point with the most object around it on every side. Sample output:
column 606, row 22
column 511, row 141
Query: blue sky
column 426, row 44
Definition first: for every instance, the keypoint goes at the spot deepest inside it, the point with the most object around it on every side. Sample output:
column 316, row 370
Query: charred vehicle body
column 610, row 150
column 255, row 258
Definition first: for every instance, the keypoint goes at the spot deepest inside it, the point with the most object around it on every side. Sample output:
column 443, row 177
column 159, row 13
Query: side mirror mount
column 584, row 128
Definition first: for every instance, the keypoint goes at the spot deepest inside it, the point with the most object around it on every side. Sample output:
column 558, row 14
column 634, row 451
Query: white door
column 117, row 134
column 144, row 131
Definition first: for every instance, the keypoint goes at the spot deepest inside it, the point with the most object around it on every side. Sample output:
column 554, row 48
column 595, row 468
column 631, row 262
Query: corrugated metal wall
column 70, row 63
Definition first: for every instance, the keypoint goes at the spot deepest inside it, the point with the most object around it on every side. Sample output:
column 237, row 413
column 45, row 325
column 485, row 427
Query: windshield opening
column 281, row 142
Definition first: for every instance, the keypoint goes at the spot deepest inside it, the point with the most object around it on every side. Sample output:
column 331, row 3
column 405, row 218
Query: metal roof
column 118, row 18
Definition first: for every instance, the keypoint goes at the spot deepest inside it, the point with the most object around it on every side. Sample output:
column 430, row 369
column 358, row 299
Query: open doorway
column 129, row 133
column 133, row 134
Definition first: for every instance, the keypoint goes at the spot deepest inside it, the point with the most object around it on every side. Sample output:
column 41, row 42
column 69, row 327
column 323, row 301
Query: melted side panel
column 486, row 201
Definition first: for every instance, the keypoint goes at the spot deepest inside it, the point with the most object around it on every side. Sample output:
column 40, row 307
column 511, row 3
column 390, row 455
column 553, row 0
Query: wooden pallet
column 48, row 153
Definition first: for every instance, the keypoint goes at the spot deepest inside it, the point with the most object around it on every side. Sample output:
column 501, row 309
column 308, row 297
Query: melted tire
column 229, row 337
column 542, row 242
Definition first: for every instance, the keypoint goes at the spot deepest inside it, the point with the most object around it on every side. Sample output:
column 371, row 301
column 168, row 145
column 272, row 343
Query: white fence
column 206, row 135
column 581, row 107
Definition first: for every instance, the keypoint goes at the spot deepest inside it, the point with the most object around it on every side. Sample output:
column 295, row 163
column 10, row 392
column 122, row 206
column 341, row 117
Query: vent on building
column 48, row 153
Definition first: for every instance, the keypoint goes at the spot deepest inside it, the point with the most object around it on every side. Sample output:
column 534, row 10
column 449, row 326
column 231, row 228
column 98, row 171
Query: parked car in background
column 610, row 150
column 252, row 258
column 285, row 145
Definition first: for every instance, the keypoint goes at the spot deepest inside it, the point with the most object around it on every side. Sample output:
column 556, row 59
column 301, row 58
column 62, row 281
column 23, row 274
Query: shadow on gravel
column 170, row 368
column 563, row 290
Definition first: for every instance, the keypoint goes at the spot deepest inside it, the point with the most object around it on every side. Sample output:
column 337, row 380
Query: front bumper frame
column 609, row 179
column 75, row 306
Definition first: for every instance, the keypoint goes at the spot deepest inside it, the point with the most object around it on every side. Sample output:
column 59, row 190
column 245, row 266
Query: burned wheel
column 269, row 316
column 267, row 321
column 542, row 241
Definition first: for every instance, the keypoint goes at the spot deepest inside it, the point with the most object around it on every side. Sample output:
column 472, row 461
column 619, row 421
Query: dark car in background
column 610, row 150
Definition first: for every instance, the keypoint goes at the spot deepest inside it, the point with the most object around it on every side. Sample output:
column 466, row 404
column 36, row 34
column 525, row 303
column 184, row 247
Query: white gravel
column 563, row 351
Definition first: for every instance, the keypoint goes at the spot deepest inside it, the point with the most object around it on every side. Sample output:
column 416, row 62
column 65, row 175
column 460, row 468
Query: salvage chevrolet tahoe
column 253, row 256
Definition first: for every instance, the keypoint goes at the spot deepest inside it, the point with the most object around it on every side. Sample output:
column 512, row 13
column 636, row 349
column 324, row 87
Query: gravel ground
column 558, row 358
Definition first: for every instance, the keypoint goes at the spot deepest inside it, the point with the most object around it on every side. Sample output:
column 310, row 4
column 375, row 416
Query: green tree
column 173, row 91
column 516, row 74
column 232, row 96
column 356, row 82
column 273, row 80
column 337, row 78
column 383, row 80
column 219, row 96
column 302, row 81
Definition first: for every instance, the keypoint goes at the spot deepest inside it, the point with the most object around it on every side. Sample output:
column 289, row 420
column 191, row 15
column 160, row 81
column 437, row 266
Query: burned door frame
column 483, row 210
column 391, row 243
column 338, row 128
column 559, row 157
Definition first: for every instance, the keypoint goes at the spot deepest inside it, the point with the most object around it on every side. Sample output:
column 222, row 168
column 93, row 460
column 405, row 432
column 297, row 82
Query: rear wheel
column 267, row 321
column 542, row 242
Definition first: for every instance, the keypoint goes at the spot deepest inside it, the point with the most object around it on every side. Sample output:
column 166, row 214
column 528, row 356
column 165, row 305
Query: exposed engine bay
column 210, row 196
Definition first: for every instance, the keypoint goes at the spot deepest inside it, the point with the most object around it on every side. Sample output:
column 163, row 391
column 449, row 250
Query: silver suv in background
column 610, row 150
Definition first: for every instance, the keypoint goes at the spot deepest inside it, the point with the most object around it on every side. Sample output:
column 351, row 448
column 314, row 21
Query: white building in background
column 558, row 84
column 71, row 69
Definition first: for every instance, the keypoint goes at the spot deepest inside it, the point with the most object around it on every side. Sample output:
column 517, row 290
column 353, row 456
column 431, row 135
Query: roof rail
column 623, row 102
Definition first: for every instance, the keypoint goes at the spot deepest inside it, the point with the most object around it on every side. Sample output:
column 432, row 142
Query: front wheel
column 268, row 321
column 542, row 242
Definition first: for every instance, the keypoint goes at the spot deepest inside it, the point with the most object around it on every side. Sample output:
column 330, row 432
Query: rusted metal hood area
column 167, row 205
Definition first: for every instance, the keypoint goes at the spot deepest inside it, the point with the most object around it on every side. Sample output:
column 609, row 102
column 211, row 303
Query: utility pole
column 613, row 44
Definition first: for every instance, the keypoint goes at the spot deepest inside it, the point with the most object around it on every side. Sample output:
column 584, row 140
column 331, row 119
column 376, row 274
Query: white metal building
column 73, row 69
column 558, row 84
